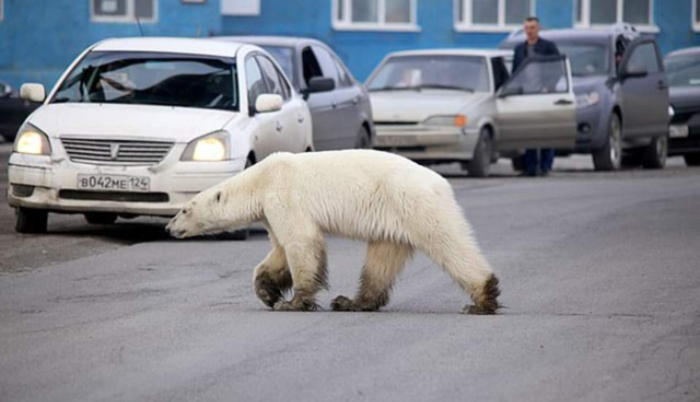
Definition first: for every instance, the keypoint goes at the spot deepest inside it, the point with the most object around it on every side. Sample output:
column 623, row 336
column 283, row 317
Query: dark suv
column 621, row 95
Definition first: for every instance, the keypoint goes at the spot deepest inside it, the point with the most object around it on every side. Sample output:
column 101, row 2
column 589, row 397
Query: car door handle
column 355, row 101
column 335, row 105
column 300, row 118
column 563, row 102
column 279, row 126
column 662, row 85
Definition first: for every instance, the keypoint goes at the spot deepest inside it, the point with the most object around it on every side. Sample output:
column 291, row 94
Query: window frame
column 585, row 21
column 2, row 10
column 463, row 23
column 129, row 17
column 694, row 22
column 346, row 24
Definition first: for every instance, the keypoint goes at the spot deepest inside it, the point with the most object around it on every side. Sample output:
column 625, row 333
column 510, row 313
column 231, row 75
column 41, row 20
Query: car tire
column 609, row 157
column 692, row 159
column 100, row 218
column 480, row 164
column 654, row 156
column 238, row 235
column 363, row 141
column 31, row 220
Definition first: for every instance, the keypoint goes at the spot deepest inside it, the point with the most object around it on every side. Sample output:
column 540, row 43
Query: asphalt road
column 599, row 273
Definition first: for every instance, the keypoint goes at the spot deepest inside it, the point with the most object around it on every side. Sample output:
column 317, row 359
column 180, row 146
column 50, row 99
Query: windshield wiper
column 390, row 88
column 440, row 86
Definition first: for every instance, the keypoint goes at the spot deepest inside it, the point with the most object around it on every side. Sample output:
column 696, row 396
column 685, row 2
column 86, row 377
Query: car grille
column 116, row 152
column 113, row 196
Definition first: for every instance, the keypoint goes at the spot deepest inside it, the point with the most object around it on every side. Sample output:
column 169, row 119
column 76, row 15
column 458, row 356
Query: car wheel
column 481, row 161
column 363, row 140
column 31, row 220
column 100, row 218
column 692, row 159
column 654, row 156
column 238, row 235
column 610, row 156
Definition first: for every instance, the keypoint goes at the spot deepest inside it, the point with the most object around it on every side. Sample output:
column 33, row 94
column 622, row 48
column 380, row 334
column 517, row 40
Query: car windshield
column 284, row 56
column 586, row 59
column 683, row 71
column 458, row 73
column 151, row 79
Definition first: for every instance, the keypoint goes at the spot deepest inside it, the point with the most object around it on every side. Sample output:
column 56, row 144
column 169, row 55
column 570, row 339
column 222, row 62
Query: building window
column 2, row 10
column 695, row 15
column 124, row 10
column 390, row 15
column 492, row 15
column 240, row 7
column 591, row 13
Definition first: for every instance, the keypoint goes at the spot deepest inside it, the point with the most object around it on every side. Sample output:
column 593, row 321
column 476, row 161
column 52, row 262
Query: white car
column 462, row 105
column 139, row 126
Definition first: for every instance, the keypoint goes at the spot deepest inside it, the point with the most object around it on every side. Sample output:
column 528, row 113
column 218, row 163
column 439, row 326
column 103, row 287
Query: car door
column 536, row 107
column 644, row 90
column 326, row 118
column 266, row 139
column 288, row 119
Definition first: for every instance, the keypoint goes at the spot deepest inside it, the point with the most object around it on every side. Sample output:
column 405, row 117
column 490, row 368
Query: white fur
column 372, row 196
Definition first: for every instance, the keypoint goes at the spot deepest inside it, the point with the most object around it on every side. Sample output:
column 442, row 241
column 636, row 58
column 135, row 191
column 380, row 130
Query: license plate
column 113, row 182
column 678, row 131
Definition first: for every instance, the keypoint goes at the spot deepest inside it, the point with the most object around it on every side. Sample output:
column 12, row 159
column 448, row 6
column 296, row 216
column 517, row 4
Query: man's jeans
column 531, row 159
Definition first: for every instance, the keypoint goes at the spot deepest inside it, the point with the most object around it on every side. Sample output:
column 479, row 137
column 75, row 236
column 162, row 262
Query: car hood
column 685, row 97
column 179, row 124
column 413, row 106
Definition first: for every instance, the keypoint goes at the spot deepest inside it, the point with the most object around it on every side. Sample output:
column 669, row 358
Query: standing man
column 535, row 46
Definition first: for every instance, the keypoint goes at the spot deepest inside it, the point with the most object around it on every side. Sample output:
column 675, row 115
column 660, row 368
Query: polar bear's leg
column 272, row 277
column 307, row 262
column 383, row 264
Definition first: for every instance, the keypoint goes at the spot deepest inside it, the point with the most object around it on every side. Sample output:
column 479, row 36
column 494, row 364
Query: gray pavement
column 599, row 273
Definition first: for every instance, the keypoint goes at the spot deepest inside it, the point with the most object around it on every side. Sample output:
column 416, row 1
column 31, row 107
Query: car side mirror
column 321, row 84
column 267, row 103
column 33, row 92
column 510, row 90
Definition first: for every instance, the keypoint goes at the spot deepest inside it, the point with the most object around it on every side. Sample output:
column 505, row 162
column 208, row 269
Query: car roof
column 571, row 34
column 285, row 41
column 170, row 45
column 688, row 51
column 454, row 52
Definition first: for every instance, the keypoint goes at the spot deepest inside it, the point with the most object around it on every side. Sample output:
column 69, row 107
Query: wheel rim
column 615, row 152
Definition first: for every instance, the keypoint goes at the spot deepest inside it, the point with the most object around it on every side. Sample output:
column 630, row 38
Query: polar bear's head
column 218, row 209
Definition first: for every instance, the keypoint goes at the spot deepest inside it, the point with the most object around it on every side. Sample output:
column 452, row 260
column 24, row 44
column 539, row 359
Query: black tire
column 31, row 220
column 363, row 141
column 518, row 163
column 480, row 164
column 100, row 218
column 609, row 157
column 655, row 154
column 692, row 159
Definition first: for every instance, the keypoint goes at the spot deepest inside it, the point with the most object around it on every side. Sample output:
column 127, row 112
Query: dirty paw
column 477, row 310
column 342, row 303
column 295, row 306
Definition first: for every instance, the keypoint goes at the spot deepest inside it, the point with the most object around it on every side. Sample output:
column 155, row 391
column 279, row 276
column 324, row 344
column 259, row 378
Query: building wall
column 40, row 38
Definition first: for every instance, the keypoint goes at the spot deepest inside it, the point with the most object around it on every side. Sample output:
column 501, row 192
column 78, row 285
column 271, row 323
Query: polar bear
column 392, row 203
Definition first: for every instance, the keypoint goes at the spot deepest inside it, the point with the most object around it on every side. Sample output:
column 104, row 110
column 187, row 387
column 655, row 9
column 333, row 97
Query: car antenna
column 138, row 21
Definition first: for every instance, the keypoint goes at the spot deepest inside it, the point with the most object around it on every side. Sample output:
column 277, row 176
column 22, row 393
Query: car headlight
column 459, row 120
column 671, row 111
column 587, row 100
column 30, row 140
column 212, row 147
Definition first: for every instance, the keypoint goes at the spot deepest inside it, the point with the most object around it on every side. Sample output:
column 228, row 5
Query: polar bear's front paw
column 293, row 305
column 342, row 303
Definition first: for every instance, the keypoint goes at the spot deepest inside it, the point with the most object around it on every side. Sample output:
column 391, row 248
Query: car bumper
column 43, row 182
column 421, row 143
column 591, row 128
column 684, row 135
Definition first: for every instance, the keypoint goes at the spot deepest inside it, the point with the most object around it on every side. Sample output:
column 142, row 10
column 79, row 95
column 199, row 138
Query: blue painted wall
column 40, row 38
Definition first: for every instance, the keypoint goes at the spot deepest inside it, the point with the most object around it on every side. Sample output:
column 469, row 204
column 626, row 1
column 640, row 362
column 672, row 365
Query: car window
column 142, row 78
column 271, row 76
column 311, row 66
column 540, row 76
column 500, row 72
column 587, row 59
column 448, row 72
column 284, row 56
column 343, row 75
column 327, row 63
column 644, row 57
column 683, row 71
column 254, row 80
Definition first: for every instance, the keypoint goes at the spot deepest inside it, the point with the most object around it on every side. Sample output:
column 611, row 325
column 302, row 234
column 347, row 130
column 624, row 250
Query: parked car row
column 138, row 126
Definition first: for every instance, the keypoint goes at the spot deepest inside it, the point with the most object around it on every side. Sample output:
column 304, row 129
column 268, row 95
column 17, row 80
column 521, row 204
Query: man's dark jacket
column 543, row 47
